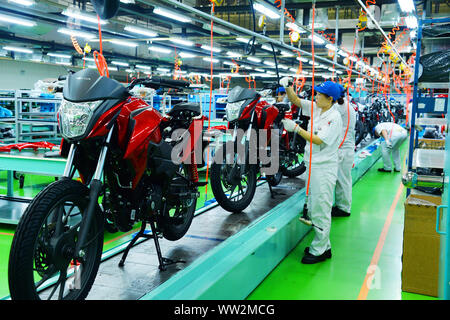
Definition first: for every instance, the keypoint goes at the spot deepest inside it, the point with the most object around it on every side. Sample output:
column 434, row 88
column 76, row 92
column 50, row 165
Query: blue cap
column 329, row 88
column 281, row 90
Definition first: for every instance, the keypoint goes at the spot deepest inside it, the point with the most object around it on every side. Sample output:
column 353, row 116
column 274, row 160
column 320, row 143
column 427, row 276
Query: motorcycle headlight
column 233, row 110
column 74, row 117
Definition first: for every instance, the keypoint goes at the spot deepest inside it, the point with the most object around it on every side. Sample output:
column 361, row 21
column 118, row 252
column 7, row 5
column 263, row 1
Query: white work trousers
column 343, row 193
column 320, row 201
column 396, row 139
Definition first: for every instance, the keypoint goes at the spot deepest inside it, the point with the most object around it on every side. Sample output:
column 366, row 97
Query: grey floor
column 140, row 274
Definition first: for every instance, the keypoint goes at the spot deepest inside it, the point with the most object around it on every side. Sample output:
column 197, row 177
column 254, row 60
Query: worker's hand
column 289, row 125
column 389, row 144
column 286, row 82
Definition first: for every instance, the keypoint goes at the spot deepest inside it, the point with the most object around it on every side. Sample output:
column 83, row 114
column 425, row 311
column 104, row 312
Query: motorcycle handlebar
column 157, row 82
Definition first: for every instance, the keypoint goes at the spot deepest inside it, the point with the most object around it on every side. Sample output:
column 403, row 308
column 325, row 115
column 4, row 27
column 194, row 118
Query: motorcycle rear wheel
column 42, row 251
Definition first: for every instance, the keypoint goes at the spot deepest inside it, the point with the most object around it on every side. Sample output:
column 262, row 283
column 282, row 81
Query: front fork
column 95, row 189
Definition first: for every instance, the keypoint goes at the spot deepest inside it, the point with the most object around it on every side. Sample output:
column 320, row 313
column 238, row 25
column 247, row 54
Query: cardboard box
column 438, row 144
column 420, row 273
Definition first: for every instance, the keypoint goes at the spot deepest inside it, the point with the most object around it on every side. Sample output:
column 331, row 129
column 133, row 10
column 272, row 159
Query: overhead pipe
column 382, row 31
column 248, row 32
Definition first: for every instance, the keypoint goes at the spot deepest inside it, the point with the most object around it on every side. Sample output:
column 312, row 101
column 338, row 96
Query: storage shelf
column 428, row 158
column 431, row 121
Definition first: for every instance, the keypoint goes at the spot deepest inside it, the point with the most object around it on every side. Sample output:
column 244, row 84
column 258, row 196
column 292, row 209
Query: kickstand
column 163, row 262
column 273, row 193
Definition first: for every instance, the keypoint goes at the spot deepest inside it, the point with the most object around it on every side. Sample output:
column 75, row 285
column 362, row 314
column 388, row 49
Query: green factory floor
column 371, row 236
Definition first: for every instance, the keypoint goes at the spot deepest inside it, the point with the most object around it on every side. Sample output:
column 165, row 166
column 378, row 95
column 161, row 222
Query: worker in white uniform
column 393, row 135
column 346, row 154
column 327, row 126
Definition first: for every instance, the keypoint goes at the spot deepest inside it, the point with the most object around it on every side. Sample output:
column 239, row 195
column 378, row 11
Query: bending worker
column 346, row 154
column 393, row 135
column 327, row 125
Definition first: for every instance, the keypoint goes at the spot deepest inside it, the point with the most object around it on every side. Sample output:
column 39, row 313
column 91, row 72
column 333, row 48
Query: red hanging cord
column 210, row 94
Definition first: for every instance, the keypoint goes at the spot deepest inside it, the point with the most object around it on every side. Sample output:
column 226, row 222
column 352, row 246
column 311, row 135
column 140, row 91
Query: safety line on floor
column 6, row 234
column 379, row 248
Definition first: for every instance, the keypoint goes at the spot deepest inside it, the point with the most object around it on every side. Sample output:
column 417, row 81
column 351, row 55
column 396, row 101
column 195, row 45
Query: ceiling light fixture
column 182, row 42
column 208, row 48
column 257, row 60
column 16, row 49
column 59, row 55
column 15, row 20
column 269, row 12
column 124, row 43
column 142, row 31
column 159, row 49
column 169, row 14
column 82, row 16
column 76, row 33
column 119, row 63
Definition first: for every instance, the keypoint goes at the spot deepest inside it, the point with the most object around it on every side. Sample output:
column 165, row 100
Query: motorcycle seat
column 185, row 108
column 282, row 107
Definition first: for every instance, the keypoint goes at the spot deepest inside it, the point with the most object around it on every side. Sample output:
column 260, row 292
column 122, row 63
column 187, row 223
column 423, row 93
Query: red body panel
column 146, row 129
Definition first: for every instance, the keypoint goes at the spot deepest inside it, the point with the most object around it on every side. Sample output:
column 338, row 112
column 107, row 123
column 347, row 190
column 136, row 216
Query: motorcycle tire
column 294, row 171
column 176, row 229
column 29, row 256
column 217, row 184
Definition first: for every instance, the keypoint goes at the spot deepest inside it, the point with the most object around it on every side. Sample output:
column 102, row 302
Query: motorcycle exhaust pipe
column 413, row 180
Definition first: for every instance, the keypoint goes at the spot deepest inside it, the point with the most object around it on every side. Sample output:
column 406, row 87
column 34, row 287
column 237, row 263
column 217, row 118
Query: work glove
column 389, row 144
column 286, row 82
column 289, row 125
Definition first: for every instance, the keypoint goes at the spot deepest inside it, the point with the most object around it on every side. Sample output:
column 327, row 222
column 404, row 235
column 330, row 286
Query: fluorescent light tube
column 16, row 49
column 59, row 55
column 257, row 60
column 119, row 63
column 163, row 69
column 142, row 31
column 331, row 46
column 206, row 47
column 266, row 47
column 207, row 59
column 269, row 63
column 159, row 49
column 183, row 42
column 82, row 16
column 143, row 67
column 124, row 43
column 234, row 54
column 19, row 21
column 282, row 66
column 260, row 70
column 169, row 14
column 244, row 40
column 302, row 59
column 287, row 54
column 76, row 33
column 23, row 2
column 406, row 5
column 295, row 27
column 270, row 13
column 187, row 55
column 411, row 22
column 317, row 39
column 228, row 63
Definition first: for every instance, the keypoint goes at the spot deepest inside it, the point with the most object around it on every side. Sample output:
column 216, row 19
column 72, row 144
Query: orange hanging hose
column 210, row 92
column 99, row 59
column 312, row 100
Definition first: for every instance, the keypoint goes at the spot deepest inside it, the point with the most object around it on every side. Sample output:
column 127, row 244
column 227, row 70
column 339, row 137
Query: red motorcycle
column 237, row 162
column 122, row 150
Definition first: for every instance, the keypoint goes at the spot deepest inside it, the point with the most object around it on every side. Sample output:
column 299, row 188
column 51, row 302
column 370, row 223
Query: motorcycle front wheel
column 41, row 262
column 233, row 191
